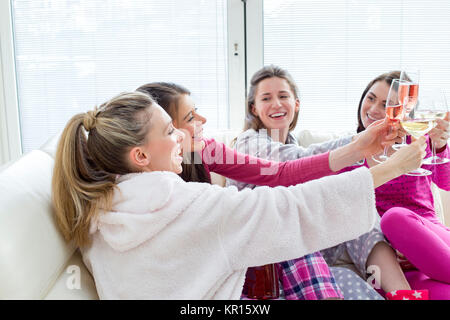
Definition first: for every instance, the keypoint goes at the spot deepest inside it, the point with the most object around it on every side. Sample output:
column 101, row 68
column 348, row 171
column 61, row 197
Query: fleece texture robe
column 169, row 239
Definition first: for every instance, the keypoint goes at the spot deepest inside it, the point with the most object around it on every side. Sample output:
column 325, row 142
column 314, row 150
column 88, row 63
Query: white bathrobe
column 168, row 239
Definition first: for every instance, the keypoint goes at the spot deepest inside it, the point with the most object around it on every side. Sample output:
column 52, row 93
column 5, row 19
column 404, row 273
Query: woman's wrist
column 385, row 172
column 345, row 156
column 361, row 145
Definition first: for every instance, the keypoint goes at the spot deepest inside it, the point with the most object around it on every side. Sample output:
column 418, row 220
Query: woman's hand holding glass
column 383, row 134
column 440, row 134
column 409, row 158
column 404, row 160
column 394, row 112
column 374, row 139
column 431, row 107
column 379, row 135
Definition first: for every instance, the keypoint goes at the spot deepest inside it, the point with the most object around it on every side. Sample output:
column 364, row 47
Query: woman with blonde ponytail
column 145, row 233
column 86, row 168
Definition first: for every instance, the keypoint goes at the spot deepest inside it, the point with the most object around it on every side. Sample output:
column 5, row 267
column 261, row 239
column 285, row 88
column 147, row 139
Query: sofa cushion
column 307, row 137
column 32, row 251
column 51, row 145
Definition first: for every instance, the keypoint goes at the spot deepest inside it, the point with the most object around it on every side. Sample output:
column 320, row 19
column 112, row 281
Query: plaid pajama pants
column 310, row 278
column 306, row 278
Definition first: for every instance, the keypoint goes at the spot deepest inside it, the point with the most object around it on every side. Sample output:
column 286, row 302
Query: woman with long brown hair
column 307, row 277
column 272, row 112
column 146, row 234
column 406, row 204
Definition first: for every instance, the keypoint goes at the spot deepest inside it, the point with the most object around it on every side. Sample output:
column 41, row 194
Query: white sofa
column 35, row 261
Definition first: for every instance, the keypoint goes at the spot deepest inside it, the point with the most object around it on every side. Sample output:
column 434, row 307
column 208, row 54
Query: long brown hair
column 386, row 77
column 167, row 95
column 90, row 154
column 271, row 71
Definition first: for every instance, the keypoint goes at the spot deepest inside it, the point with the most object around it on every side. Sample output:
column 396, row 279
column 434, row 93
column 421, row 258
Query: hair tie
column 90, row 119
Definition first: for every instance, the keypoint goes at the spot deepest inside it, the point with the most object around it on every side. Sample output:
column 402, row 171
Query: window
column 72, row 55
column 334, row 48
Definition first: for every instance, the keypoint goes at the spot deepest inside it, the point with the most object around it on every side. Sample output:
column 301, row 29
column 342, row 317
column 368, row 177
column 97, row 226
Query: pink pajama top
column 411, row 192
column 220, row 159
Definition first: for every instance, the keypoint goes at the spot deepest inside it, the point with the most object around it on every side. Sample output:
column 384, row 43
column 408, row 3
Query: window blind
column 333, row 49
column 72, row 55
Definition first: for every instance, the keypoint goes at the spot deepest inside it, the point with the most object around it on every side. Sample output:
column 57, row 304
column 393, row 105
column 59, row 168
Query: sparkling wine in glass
column 407, row 93
column 421, row 120
column 418, row 128
column 394, row 111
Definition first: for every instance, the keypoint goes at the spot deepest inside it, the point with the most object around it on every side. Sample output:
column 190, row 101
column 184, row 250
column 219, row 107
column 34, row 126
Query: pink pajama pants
column 425, row 242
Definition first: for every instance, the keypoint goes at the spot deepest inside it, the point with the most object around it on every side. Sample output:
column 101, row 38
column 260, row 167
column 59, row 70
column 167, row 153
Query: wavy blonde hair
column 90, row 154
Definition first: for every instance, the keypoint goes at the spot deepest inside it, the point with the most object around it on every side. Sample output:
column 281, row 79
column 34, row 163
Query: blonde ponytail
column 91, row 153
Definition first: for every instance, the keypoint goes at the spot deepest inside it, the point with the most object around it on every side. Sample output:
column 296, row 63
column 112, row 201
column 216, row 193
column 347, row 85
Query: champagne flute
column 436, row 107
column 408, row 93
column 394, row 111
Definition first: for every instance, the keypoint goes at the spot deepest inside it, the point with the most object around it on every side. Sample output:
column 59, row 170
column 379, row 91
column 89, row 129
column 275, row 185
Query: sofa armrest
column 32, row 250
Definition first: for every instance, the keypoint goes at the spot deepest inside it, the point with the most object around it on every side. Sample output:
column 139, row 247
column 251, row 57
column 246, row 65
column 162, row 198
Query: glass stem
column 385, row 152
column 433, row 152
column 386, row 147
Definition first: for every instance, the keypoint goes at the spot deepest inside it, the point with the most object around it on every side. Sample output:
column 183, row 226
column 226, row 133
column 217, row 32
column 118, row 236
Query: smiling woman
column 162, row 150
column 284, row 95
column 373, row 107
column 406, row 205
column 276, row 105
column 117, row 195
column 191, row 123
column 373, row 99
column 370, row 248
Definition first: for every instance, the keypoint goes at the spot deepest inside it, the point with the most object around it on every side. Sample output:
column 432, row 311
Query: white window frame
column 10, row 137
column 255, row 37
column 236, row 64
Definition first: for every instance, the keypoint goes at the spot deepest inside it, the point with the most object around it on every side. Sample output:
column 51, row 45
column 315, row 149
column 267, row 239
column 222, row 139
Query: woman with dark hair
column 406, row 204
column 272, row 109
column 384, row 82
column 144, row 233
column 307, row 277
column 176, row 101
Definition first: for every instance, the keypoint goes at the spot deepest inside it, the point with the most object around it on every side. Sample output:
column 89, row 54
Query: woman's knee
column 396, row 218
